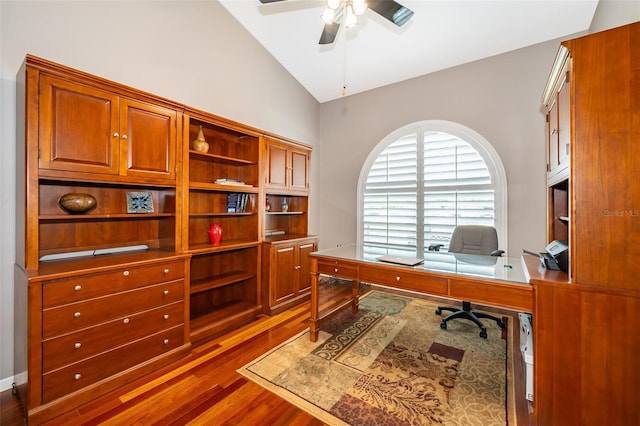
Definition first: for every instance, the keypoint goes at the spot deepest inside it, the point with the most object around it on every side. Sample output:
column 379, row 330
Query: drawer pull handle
column 166, row 271
column 77, row 315
column 77, row 288
column 398, row 279
column 125, row 273
column 77, row 345
column 165, row 292
column 335, row 269
column 126, row 321
column 166, row 316
column 297, row 267
column 166, row 341
column 77, row 376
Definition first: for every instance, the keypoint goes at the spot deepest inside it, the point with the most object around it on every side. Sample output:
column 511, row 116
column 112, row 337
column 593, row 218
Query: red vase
column 215, row 233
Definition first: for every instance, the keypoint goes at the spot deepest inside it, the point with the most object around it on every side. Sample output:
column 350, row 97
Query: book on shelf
column 227, row 181
column 237, row 202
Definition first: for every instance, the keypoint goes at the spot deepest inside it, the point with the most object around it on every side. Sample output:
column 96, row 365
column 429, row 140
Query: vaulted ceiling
column 375, row 53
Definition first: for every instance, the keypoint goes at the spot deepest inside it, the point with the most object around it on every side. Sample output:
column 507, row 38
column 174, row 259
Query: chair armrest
column 435, row 247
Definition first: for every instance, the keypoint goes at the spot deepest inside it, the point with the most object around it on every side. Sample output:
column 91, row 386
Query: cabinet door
column 78, row 127
column 299, row 170
column 277, row 166
column 148, row 134
column 304, row 263
column 553, row 138
column 564, row 123
column 283, row 270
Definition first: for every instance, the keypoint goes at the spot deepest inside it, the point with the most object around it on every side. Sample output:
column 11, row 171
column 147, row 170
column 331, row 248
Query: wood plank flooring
column 204, row 388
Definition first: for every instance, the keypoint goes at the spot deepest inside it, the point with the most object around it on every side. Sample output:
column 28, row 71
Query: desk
column 490, row 280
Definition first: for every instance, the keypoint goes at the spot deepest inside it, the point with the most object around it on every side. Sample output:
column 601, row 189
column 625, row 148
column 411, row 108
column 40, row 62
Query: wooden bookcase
column 225, row 284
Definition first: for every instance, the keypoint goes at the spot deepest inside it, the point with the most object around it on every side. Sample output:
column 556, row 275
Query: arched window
column 425, row 179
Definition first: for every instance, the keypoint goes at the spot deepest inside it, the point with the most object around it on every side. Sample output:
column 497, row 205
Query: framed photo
column 139, row 202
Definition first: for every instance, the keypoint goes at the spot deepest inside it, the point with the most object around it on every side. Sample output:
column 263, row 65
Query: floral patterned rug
column 391, row 364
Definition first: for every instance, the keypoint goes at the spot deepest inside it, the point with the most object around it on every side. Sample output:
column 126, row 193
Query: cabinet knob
column 77, row 345
column 116, row 134
column 166, row 316
column 165, row 292
column 77, row 288
column 125, row 321
column 125, row 273
column 166, row 341
column 335, row 269
column 554, row 132
column 124, row 136
column 77, row 315
column 77, row 376
column 166, row 271
column 297, row 267
column 398, row 279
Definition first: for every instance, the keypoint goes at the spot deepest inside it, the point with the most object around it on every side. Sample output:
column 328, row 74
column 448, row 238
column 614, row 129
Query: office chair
column 471, row 239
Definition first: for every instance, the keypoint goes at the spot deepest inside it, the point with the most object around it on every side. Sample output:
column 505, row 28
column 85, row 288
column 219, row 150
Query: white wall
column 193, row 52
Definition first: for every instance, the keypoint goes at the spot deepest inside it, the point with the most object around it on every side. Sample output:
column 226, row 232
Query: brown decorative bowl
column 75, row 203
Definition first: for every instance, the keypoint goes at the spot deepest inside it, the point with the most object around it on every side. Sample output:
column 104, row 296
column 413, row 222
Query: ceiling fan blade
column 329, row 32
column 269, row 1
column 391, row 10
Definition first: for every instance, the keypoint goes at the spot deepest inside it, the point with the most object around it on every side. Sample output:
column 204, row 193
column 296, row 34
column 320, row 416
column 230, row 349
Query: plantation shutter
column 442, row 174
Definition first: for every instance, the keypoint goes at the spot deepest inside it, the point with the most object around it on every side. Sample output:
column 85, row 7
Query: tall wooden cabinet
column 285, row 262
column 100, row 296
column 586, row 323
column 107, row 295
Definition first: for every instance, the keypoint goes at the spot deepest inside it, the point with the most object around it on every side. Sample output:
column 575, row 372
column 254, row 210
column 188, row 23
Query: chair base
column 467, row 313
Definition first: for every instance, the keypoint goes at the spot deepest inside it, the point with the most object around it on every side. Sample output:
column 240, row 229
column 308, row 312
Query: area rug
column 392, row 364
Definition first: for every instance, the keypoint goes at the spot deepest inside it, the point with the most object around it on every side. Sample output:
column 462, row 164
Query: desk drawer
column 88, row 342
column 514, row 296
column 71, row 290
column 404, row 279
column 76, row 376
column 338, row 269
column 67, row 318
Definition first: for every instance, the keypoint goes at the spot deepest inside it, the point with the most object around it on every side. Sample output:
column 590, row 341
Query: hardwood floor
column 204, row 388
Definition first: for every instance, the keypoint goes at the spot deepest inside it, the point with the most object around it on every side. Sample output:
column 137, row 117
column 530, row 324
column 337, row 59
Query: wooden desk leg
column 355, row 295
column 315, row 295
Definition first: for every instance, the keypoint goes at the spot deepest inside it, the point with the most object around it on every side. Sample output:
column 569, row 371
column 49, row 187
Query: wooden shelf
column 220, row 214
column 220, row 158
column 219, row 281
column 219, row 320
column 223, row 187
column 127, row 216
column 284, row 213
column 225, row 246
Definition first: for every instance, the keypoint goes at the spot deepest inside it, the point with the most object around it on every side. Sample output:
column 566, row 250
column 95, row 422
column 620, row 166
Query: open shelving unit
column 224, row 278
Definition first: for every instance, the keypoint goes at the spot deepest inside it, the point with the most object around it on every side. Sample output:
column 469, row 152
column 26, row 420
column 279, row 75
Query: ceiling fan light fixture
column 328, row 15
column 359, row 6
column 351, row 19
column 333, row 4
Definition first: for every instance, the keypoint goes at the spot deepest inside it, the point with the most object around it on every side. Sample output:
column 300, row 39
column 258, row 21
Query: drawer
column 417, row 281
column 87, row 342
column 512, row 296
column 95, row 285
column 67, row 318
column 338, row 269
column 76, row 376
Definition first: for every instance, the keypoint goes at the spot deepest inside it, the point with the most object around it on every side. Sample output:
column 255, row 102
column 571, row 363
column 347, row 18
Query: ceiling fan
column 351, row 9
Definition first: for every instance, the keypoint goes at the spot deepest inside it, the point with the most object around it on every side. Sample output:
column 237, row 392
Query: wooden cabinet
column 223, row 187
column 286, row 246
column 286, row 166
column 557, row 102
column 589, row 318
column 100, row 295
column 88, row 129
column 286, row 272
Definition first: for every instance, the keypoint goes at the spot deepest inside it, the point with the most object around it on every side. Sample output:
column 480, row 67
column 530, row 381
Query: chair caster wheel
column 483, row 333
column 438, row 311
column 443, row 325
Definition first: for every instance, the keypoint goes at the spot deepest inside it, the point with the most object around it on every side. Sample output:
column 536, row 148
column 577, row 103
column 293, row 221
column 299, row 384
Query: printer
column 555, row 257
